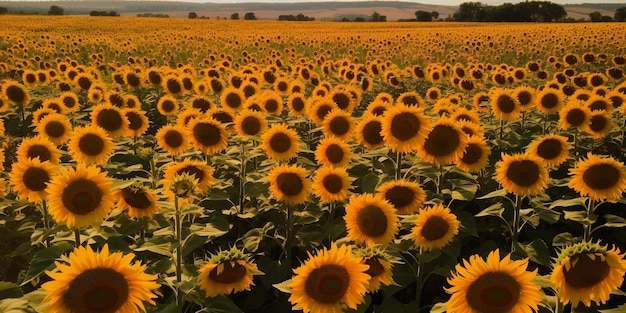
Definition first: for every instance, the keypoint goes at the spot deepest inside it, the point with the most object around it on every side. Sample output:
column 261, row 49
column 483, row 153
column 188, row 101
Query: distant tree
column 4, row 10
column 234, row 16
column 423, row 16
column 375, row 17
column 249, row 16
column 435, row 15
column 595, row 16
column 103, row 13
column 606, row 18
column 620, row 14
column 192, row 15
column 358, row 19
column 55, row 10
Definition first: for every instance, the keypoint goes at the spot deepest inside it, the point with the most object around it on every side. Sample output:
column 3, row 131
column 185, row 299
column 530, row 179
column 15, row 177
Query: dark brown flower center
column 493, row 292
column 173, row 86
column 575, row 117
column 297, row 104
column 251, row 125
column 410, row 101
column 223, row 117
column 35, row 178
column 81, row 196
column 435, row 228
column 601, row 176
column 598, row 123
column 599, row 105
column 524, row 98
column 379, row 110
column 549, row 149
column 342, row 100
column 442, row 141
column 339, row 126
column 405, row 126
column 327, row 283
column 98, row 290
column 233, row 100
column 376, row 268
column 84, row 82
column 332, row 183
column 39, row 151
column 523, row 173
column 54, row 129
column 322, row 111
column 134, row 120
column 400, row 196
column 173, row 138
column 473, row 154
column 136, row 198
column 549, row 100
column 91, row 144
column 372, row 221
column 271, row 105
column 586, row 272
column 110, row 120
column 289, row 183
column 207, row 134
column 202, row 104
column 168, row 106
column 505, row 104
column 371, row 133
column 232, row 272
column 280, row 142
column 334, row 153
column 154, row 77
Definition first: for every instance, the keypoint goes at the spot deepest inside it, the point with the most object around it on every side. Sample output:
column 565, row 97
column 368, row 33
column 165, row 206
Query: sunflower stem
column 576, row 141
column 242, row 178
column 440, row 179
column 288, row 231
column 559, row 306
column 398, row 165
column 77, row 238
column 516, row 220
column 418, row 280
column 501, row 129
column 179, row 251
column 46, row 226
column 587, row 225
column 523, row 120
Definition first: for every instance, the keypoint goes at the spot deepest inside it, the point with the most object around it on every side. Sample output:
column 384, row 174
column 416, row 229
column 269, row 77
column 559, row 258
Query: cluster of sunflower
column 390, row 150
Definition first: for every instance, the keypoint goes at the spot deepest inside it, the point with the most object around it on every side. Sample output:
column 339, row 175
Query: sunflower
column 227, row 272
column 171, row 138
column 198, row 170
column 463, row 114
column 553, row 149
column 410, row 99
column 38, row 147
column 89, row 281
column 505, row 105
column 600, row 124
column 522, row 174
column 476, row 155
column 368, row 131
column 280, row 142
column 168, row 105
column 470, row 129
column 550, row 100
column 599, row 103
column 526, row 96
column 187, row 116
column 444, row 143
column 319, row 108
column 207, row 135
column 55, row 127
column 250, row 123
column 15, row 93
column 574, row 114
column 296, row 104
column 90, row 145
column 95, row 95
column 30, row 177
column 371, row 220
column 404, row 128
column 333, row 152
column 328, row 281
column 493, row 285
column 131, row 101
column 272, row 103
column 435, row 228
column 378, row 107
column 406, row 197
column 138, row 200
column 138, row 122
column 380, row 264
column 232, row 99
column 338, row 123
column 343, row 99
column 80, row 197
column 433, row 94
column 331, row 183
column 599, row 178
column 54, row 104
column 40, row 113
column 110, row 118
column 172, row 85
column 586, row 272
column 289, row 183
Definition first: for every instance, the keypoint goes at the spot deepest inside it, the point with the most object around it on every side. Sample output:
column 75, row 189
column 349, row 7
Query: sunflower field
column 176, row 165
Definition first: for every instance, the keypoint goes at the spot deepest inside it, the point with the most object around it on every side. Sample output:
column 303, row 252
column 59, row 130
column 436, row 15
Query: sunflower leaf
column 44, row 260
column 562, row 239
column 439, row 307
column 495, row 209
column 493, row 194
column 284, row 286
column 10, row 290
column 369, row 182
column 619, row 309
column 614, row 221
column 566, row 203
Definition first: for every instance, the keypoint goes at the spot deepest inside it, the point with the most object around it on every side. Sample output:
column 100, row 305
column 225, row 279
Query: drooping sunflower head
column 110, row 118
column 331, row 183
column 522, row 174
column 371, row 220
column 405, row 128
column 30, row 178
column 333, row 152
column 406, row 197
column 197, row 169
column 139, row 200
column 444, row 143
column 171, row 138
column 368, row 131
column 90, row 145
column 290, row 183
column 55, row 127
column 493, row 285
column 227, row 272
column 476, row 155
column 380, row 264
column 553, row 149
column 435, row 228
column 88, row 281
column 207, row 135
column 599, row 178
column 280, row 142
column 338, row 123
column 587, row 272
column 329, row 280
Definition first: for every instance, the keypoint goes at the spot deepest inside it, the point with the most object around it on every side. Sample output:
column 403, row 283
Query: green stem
column 440, row 179
column 288, row 231
column 545, row 122
column 501, row 129
column 77, row 238
column 587, row 226
column 179, row 251
column 516, row 220
column 418, row 281
column 46, row 225
column 242, row 178
column 559, row 306
column 523, row 120
column 398, row 165
column 576, row 141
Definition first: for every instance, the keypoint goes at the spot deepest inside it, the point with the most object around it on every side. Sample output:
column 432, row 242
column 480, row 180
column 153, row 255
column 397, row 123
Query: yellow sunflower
column 574, row 114
column 319, row 107
column 444, row 143
column 463, row 114
column 550, row 100
column 200, row 103
column 202, row 172
column 15, row 93
column 378, row 107
column 138, row 200
column 470, row 129
column 187, row 116
column 406, row 197
column 89, row 281
column 110, row 118
column 171, row 138
column 371, row 220
column 405, row 128
column 504, row 104
column 30, row 177
column 433, row 94
column 476, row 155
column 599, row 178
column 526, row 97
column 493, row 285
column 410, row 99
column 138, row 122
column 207, row 135
column 522, row 174
column 435, row 228
column 56, row 128
column 280, row 142
column 331, row 183
column 227, row 272
column 289, row 183
column 596, row 102
column 172, row 85
column 296, row 104
column 333, row 152
column 40, row 113
column 168, row 105
column 586, row 272
column 380, row 264
column 232, row 99
column 553, row 149
column 343, row 99
column 90, row 145
column 80, row 197
column 38, row 147
column 368, row 131
column 54, row 104
column 338, row 123
column 328, row 281
column 250, row 123
column 272, row 103
column 600, row 124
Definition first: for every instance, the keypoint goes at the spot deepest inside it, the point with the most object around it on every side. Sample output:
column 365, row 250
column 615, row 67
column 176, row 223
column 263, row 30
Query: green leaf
column 568, row 203
column 538, row 252
column 439, row 307
column 495, row 209
column 161, row 248
column 576, row 216
column 468, row 222
column 369, row 183
column 614, row 221
column 619, row 309
column 13, row 305
column 493, row 194
column 562, row 239
column 221, row 304
column 284, row 286
column 171, row 308
column 10, row 290
column 44, row 260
